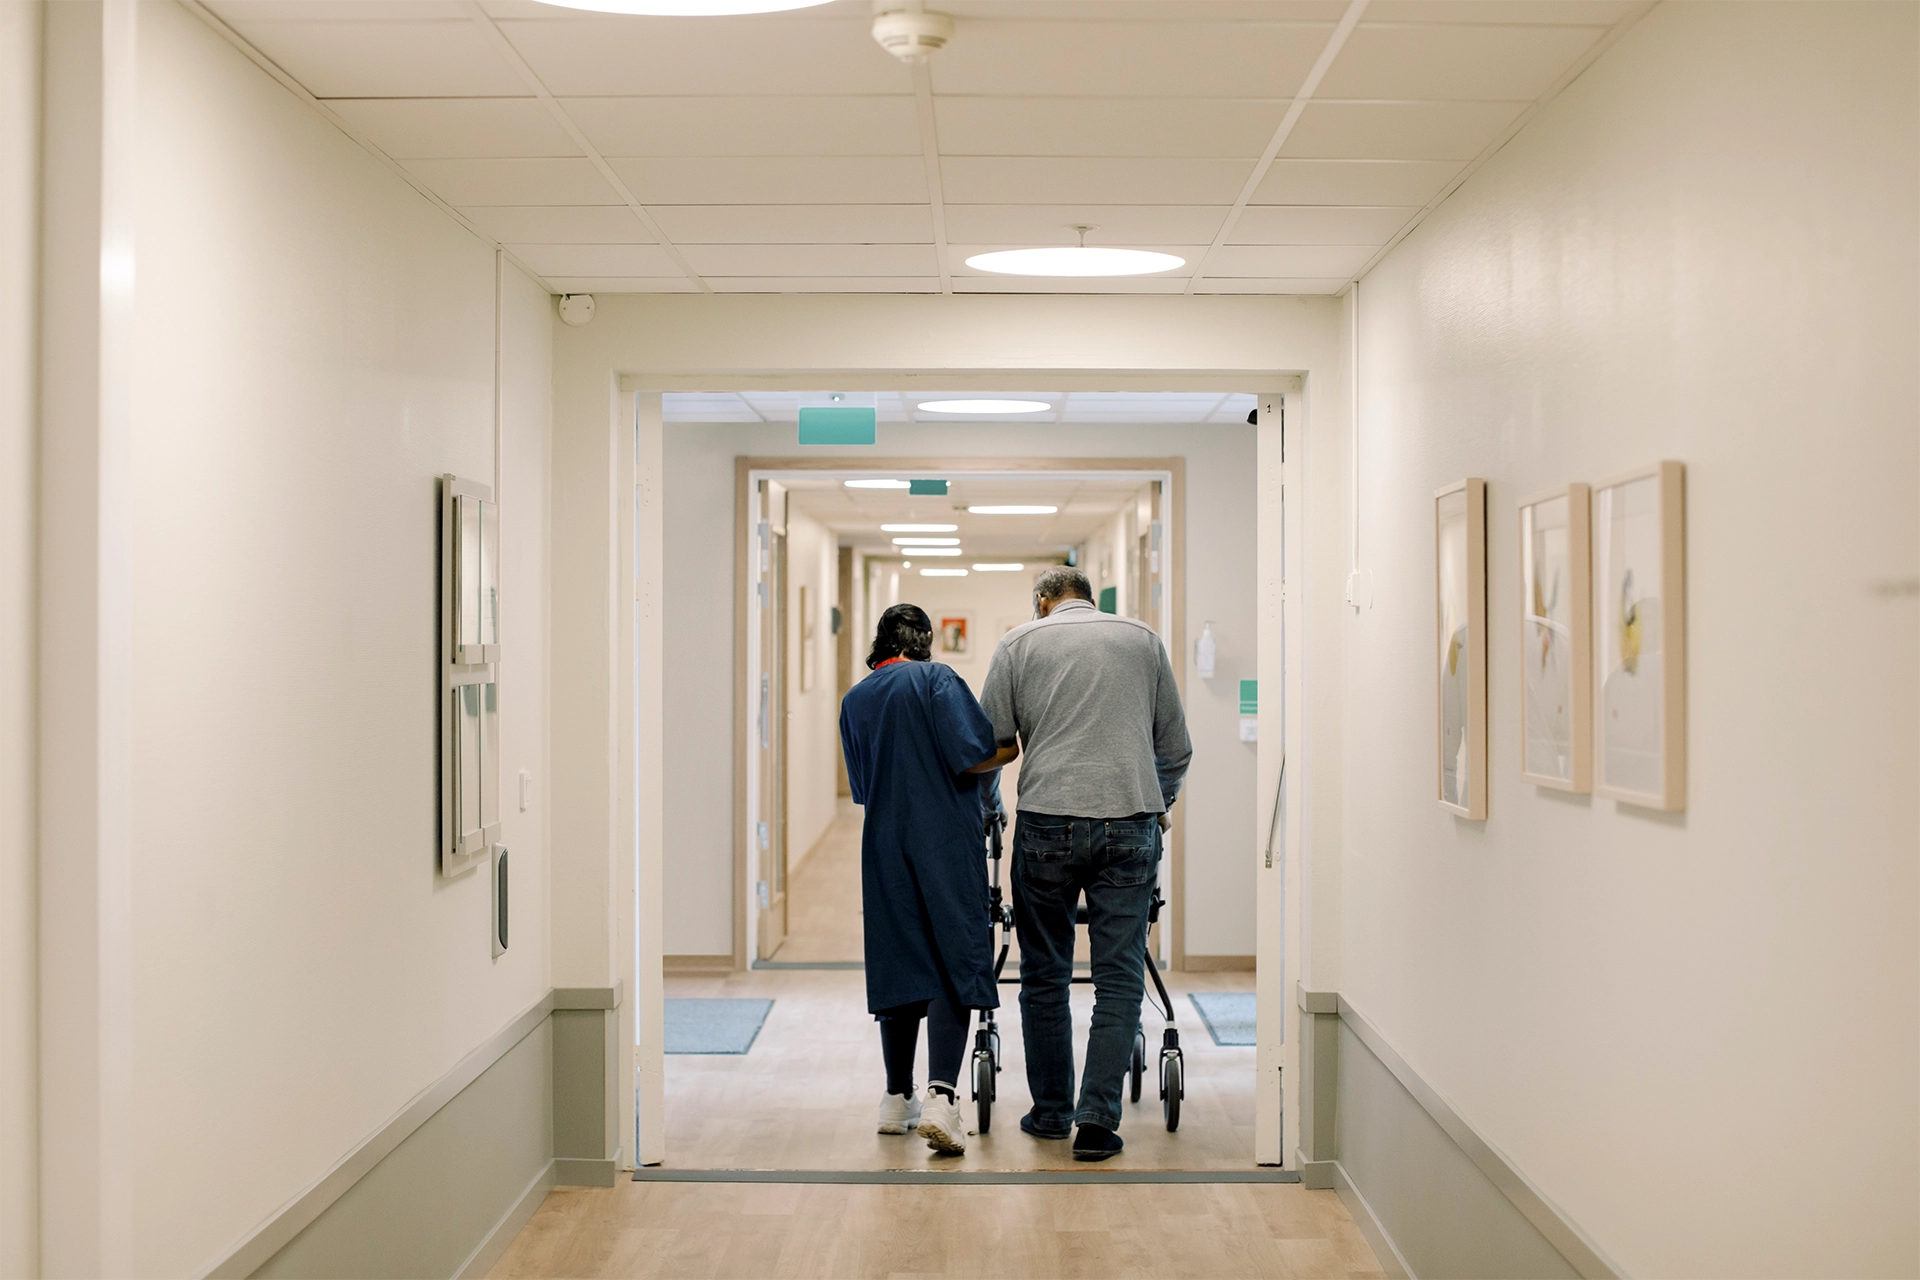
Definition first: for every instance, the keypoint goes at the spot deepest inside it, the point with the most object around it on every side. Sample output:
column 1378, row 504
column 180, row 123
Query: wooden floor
column 1207, row 1231
column 823, row 895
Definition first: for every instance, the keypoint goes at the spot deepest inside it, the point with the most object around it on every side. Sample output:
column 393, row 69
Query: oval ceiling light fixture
column 685, row 8
column 1015, row 509
column 1075, row 260
column 926, row 542
column 999, row 568
column 943, row 573
column 919, row 528
column 983, row 406
column 879, row 484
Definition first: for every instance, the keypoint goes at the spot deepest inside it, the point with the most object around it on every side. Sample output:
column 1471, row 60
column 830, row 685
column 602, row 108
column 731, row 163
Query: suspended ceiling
column 1171, row 408
column 855, row 515
column 1277, row 145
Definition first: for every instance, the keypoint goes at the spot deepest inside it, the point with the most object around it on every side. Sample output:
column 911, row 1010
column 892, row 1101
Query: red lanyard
column 890, row 661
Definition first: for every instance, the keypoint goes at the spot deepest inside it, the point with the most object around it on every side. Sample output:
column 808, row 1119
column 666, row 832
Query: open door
column 770, row 889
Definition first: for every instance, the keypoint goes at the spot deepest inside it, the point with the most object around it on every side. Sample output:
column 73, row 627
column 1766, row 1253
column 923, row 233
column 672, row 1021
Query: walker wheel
column 1172, row 1087
column 1138, row 1070
column 983, row 1083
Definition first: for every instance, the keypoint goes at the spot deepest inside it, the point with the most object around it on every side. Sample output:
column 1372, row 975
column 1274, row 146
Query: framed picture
column 1556, row 639
column 955, row 633
column 1640, row 623
column 1460, row 593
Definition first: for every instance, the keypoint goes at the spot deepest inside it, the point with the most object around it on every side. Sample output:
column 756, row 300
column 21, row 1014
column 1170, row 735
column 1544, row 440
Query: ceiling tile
column 828, row 284
column 776, row 180
column 1024, row 284
column 1399, row 130
column 1289, row 260
column 422, row 128
column 519, row 182
column 614, row 56
column 1468, row 63
column 797, row 223
column 1326, row 286
column 1327, row 11
column 1133, row 226
column 812, row 259
column 553, row 260
column 623, row 284
column 1319, row 224
column 1137, row 59
column 1020, row 180
column 1400, row 182
column 1603, row 13
column 382, row 59
column 757, row 126
column 971, row 126
column 560, row 224
column 233, row 12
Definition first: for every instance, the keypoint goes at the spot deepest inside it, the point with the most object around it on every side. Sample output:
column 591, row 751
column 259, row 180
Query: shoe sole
column 1088, row 1157
column 894, row 1130
column 939, row 1139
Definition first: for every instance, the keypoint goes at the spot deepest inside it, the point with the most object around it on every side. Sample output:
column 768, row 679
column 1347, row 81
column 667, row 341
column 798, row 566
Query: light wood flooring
column 1205, row 1231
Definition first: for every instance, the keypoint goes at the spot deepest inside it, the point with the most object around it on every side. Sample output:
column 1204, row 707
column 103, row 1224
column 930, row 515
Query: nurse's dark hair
column 904, row 630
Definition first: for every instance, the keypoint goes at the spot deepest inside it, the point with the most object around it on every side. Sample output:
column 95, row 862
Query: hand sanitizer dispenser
column 1204, row 650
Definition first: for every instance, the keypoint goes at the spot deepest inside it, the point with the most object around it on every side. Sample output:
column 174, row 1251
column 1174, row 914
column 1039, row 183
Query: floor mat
column 714, row 1026
column 1228, row 1015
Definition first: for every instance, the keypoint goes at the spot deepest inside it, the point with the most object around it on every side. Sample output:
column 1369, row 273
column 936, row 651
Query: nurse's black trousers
column 946, row 1020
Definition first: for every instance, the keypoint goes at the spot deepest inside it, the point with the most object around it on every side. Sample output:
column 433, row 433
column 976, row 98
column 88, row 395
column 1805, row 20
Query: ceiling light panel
column 998, row 568
column 918, row 528
column 943, row 573
column 926, row 542
column 930, row 551
column 1013, row 509
column 872, row 483
column 983, row 408
column 1076, row 261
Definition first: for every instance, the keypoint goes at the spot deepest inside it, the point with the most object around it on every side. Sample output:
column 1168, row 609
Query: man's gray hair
column 1062, row 581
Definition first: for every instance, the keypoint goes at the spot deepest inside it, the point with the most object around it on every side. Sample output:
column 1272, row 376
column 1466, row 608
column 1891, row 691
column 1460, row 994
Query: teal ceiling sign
column 927, row 488
column 838, row 424
column 1249, row 697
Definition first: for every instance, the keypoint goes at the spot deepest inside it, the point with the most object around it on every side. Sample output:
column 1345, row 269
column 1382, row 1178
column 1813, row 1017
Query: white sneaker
column 899, row 1113
column 941, row 1124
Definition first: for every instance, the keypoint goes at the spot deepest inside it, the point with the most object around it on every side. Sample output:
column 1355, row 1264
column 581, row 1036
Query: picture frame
column 1460, row 630
column 1556, row 638
column 1640, row 637
column 955, row 633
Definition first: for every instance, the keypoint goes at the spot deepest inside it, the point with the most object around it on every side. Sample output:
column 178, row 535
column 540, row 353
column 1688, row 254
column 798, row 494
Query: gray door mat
column 714, row 1025
column 1229, row 1015
column 965, row 1178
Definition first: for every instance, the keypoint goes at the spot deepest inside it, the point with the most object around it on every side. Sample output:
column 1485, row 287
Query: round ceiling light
column 1075, row 260
column 879, row 484
column 1012, row 510
column 685, row 8
column 983, row 406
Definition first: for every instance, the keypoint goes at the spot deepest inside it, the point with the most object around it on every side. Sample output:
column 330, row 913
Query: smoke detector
column 912, row 36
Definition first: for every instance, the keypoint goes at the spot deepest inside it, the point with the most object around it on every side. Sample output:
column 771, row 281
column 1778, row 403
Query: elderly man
column 1090, row 699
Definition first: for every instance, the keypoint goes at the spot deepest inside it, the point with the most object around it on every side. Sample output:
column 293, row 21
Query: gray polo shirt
column 1092, row 700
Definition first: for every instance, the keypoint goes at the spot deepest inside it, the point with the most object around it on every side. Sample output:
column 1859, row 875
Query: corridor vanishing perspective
column 1408, row 503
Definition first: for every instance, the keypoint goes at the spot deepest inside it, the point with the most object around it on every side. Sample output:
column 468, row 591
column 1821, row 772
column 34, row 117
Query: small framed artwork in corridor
column 1640, row 624
column 1460, row 670
column 1556, row 639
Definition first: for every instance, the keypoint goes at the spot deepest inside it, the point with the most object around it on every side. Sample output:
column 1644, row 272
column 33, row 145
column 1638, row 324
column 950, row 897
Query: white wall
column 315, row 345
column 19, row 296
column 700, row 549
column 1699, row 1034
column 813, row 724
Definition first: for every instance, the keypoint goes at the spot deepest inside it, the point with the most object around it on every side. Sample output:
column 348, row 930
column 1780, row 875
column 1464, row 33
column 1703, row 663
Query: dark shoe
column 1028, row 1127
column 1095, row 1143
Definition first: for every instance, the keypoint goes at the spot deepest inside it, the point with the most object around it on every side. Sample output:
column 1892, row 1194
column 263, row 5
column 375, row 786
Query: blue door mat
column 714, row 1026
column 1228, row 1015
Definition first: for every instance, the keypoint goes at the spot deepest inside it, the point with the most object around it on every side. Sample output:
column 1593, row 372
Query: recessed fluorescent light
column 685, row 8
column 1075, row 260
column 999, row 568
column 926, row 542
column 943, row 573
column 984, row 406
column 879, row 484
column 931, row 551
column 1015, row 509
column 918, row 528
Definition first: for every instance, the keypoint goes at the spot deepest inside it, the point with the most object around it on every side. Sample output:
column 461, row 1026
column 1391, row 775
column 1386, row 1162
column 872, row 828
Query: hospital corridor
column 993, row 639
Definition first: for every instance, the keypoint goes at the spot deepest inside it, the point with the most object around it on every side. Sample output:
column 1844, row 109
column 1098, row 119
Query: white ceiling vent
column 912, row 36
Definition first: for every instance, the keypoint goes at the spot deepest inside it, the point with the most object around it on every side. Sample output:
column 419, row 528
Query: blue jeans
column 1114, row 862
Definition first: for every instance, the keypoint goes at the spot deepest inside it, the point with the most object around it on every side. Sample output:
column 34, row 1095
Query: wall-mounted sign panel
column 837, row 424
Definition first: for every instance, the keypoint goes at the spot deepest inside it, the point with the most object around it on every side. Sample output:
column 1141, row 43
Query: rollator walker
column 986, row 1041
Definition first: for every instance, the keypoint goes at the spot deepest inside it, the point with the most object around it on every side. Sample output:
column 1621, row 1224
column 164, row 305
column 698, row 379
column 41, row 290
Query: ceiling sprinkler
column 912, row 35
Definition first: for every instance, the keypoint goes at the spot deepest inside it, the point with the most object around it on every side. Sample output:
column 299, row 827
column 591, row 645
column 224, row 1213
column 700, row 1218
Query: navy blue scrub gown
column 910, row 730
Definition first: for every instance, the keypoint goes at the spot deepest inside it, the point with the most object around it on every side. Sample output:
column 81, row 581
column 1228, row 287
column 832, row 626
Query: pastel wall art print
column 1639, row 616
column 1460, row 592
column 1556, row 650
column 953, row 633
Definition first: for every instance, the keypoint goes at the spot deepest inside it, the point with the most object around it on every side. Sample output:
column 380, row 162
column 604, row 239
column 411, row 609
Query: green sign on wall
column 1249, row 697
column 836, row 424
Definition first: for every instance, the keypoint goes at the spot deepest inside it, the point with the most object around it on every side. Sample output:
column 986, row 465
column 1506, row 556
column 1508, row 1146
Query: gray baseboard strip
column 1581, row 1253
column 573, row 1171
column 965, row 1178
column 1384, row 1250
column 490, row 1250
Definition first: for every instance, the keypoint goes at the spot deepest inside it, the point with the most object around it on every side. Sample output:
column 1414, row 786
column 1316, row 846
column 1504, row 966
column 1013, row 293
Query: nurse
column 916, row 744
